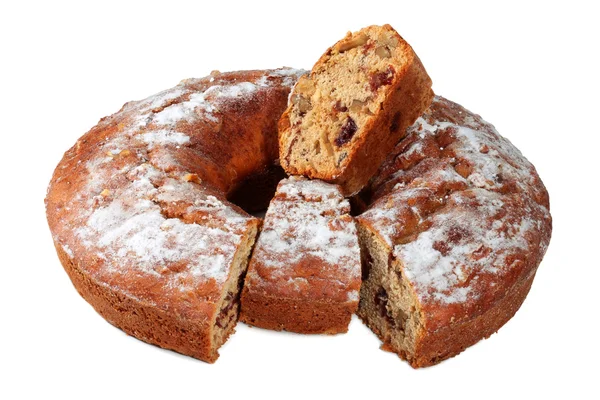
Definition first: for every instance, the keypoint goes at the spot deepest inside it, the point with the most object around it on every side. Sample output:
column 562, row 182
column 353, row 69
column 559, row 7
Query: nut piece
column 192, row 178
column 305, row 86
column 120, row 153
column 388, row 40
column 351, row 42
column 357, row 105
column 301, row 103
column 383, row 52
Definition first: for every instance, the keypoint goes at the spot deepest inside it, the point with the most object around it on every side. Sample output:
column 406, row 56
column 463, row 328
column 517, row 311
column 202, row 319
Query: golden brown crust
column 296, row 315
column 142, row 320
column 139, row 214
column 304, row 275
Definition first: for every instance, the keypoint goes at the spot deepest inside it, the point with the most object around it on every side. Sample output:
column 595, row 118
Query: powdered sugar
column 125, row 224
column 132, row 227
column 461, row 241
column 67, row 250
column 206, row 104
column 164, row 137
column 477, row 227
column 308, row 219
column 196, row 103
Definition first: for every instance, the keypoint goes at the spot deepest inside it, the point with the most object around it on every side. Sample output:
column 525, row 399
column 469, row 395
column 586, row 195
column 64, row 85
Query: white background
column 531, row 69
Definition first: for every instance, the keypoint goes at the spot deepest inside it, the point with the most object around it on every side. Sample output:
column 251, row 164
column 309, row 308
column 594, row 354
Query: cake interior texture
column 387, row 303
column 334, row 104
column 359, row 97
column 229, row 307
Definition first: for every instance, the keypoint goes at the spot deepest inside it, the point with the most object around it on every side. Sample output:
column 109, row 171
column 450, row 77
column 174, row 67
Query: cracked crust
column 139, row 213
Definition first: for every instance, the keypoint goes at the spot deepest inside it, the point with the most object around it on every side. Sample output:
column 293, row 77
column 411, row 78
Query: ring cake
column 447, row 236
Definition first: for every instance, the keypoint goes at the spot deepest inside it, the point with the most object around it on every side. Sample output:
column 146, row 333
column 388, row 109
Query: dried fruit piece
column 347, row 132
column 383, row 52
column 340, row 107
column 382, row 78
column 381, row 301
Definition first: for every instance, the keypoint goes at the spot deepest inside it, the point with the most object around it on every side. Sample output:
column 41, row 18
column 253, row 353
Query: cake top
column 308, row 244
column 459, row 206
column 127, row 204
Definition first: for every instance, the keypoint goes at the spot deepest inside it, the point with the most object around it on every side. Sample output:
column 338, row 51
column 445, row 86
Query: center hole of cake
column 256, row 191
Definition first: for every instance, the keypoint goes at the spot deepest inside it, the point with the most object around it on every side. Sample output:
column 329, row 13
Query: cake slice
column 349, row 112
column 456, row 227
column 304, row 274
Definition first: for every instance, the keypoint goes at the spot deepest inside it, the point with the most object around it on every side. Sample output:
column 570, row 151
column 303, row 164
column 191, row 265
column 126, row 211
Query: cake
column 435, row 245
column 304, row 275
column 139, row 211
column 457, row 224
column 353, row 107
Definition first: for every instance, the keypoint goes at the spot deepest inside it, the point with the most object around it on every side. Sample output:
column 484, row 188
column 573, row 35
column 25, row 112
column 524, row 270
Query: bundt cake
column 139, row 213
column 353, row 107
column 451, row 227
column 304, row 275
column 457, row 224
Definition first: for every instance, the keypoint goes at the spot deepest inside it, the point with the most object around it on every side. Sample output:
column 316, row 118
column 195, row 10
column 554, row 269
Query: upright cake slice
column 304, row 275
column 347, row 115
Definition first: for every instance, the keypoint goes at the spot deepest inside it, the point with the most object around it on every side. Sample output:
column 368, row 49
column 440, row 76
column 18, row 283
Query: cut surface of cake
column 349, row 112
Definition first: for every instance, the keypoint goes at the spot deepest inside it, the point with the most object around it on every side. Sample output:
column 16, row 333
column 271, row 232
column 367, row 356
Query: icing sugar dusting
column 302, row 223
column 134, row 219
column 458, row 244
column 133, row 228
column 185, row 110
column 457, row 203
column 163, row 137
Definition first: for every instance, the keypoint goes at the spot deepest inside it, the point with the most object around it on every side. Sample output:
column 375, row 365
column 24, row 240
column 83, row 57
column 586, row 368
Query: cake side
column 457, row 225
column 345, row 117
column 304, row 274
